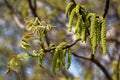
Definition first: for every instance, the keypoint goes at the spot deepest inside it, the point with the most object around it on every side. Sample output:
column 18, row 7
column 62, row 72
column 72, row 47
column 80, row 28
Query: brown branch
column 32, row 8
column 9, row 6
column 81, row 57
column 68, row 46
column 106, row 8
column 35, row 5
column 104, row 70
column 95, row 61
column 72, row 44
column 118, row 69
column 46, row 38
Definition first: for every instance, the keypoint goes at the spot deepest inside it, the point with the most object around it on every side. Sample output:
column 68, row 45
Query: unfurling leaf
column 15, row 62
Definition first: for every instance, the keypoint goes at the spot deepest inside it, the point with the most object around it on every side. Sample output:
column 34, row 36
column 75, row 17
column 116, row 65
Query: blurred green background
column 12, row 14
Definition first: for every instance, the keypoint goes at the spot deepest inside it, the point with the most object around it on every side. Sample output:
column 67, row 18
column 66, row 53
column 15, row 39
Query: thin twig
column 9, row 6
column 35, row 5
column 68, row 46
column 82, row 57
column 106, row 8
column 32, row 8
column 104, row 70
column 47, row 39
column 95, row 61
column 72, row 44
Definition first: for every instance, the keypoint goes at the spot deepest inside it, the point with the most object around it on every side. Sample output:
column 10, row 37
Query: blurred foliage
column 53, row 12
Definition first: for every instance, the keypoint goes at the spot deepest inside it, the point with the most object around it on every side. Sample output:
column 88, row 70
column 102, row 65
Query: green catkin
column 77, row 9
column 98, row 29
column 58, row 59
column 69, row 8
column 71, row 19
column 63, row 58
column 83, row 12
column 103, row 35
column 78, row 26
column 54, row 61
column 76, row 29
column 83, row 34
column 94, row 41
column 69, row 58
column 92, row 26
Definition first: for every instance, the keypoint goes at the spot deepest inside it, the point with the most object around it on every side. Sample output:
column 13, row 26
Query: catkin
column 54, row 61
column 83, row 34
column 78, row 26
column 94, row 41
column 71, row 19
column 63, row 57
column 92, row 27
column 77, row 9
column 98, row 30
column 69, row 58
column 69, row 8
column 103, row 36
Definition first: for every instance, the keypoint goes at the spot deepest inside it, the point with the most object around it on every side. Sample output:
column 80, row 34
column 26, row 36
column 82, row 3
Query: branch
column 80, row 57
column 95, row 61
column 35, row 5
column 32, row 8
column 72, row 44
column 105, row 71
column 68, row 46
column 46, row 38
column 106, row 8
column 9, row 6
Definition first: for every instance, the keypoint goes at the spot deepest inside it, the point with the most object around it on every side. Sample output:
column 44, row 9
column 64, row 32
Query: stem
column 46, row 38
column 68, row 46
column 95, row 61
column 104, row 70
column 32, row 8
column 106, row 8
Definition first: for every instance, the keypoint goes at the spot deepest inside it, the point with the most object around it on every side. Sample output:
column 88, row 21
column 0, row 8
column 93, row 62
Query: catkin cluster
column 87, row 25
column 60, row 57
